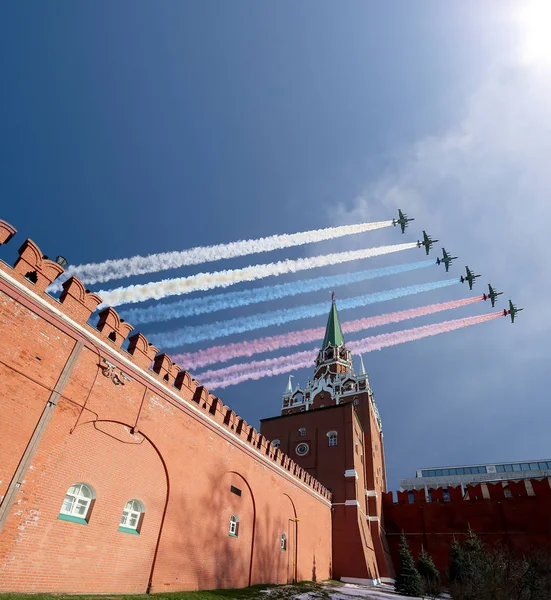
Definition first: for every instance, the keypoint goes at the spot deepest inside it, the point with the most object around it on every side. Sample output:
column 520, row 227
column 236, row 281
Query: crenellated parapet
column 499, row 490
column 35, row 272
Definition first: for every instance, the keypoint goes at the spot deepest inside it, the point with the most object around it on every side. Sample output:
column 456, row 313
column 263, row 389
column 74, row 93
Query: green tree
column 430, row 577
column 408, row 580
column 456, row 572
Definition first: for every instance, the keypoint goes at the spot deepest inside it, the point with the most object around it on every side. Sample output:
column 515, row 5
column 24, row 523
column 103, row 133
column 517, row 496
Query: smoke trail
column 209, row 304
column 211, row 331
column 209, row 281
column 209, row 356
column 235, row 374
column 154, row 263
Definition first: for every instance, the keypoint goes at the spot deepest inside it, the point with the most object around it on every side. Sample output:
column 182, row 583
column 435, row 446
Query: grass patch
column 267, row 591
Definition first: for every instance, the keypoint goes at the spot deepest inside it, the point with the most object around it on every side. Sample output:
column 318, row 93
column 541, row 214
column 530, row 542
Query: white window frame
column 302, row 431
column 131, row 517
column 234, row 526
column 77, row 496
column 283, row 542
column 333, row 438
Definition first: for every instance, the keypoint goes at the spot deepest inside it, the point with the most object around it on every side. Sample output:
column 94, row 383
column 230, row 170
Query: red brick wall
column 521, row 523
column 173, row 446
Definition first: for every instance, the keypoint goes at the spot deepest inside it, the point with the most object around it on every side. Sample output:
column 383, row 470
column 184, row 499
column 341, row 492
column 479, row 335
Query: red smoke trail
column 225, row 352
column 235, row 374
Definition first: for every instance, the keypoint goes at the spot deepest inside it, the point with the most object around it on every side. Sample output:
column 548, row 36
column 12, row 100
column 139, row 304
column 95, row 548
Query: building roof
column 333, row 331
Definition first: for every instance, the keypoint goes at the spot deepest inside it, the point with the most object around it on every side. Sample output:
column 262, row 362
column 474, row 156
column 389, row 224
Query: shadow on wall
column 241, row 543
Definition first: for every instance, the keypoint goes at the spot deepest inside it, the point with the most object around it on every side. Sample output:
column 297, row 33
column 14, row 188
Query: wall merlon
column 77, row 301
column 242, row 428
column 185, row 384
column 230, row 418
column 141, row 350
column 7, row 231
column 202, row 397
column 113, row 327
column 32, row 264
column 252, row 437
column 165, row 368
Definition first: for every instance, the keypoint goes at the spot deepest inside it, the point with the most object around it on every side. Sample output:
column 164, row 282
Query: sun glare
column 535, row 20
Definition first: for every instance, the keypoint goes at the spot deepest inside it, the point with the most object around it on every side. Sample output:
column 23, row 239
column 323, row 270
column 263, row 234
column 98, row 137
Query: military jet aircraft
column 447, row 260
column 427, row 242
column 402, row 220
column 513, row 310
column 492, row 295
column 470, row 277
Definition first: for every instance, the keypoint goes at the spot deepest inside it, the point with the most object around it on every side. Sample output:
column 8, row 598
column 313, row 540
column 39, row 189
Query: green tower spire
column 333, row 331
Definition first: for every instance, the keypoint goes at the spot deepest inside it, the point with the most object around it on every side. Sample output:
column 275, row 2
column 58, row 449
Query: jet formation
column 469, row 277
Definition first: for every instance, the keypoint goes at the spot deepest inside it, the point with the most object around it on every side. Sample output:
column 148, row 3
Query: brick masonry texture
column 131, row 432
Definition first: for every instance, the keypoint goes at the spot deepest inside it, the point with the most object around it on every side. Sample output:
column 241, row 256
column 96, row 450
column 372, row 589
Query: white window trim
column 132, row 513
column 302, row 431
column 283, row 542
column 333, row 438
column 78, row 498
column 234, row 526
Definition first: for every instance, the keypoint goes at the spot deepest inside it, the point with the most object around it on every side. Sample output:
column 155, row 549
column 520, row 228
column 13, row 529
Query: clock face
column 302, row 449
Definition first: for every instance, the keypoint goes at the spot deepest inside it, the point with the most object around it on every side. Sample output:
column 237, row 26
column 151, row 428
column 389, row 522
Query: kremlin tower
column 331, row 427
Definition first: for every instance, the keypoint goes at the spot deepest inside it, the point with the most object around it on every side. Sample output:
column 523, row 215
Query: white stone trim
column 352, row 503
column 351, row 473
column 372, row 518
column 388, row 580
column 166, row 390
column 371, row 493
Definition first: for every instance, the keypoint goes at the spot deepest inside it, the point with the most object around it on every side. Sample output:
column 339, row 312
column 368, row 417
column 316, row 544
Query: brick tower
column 332, row 428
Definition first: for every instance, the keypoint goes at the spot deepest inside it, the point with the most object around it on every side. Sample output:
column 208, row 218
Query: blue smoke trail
column 209, row 304
column 211, row 331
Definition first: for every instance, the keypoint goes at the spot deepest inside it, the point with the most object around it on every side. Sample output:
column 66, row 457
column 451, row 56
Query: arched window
column 333, row 438
column 283, row 542
column 234, row 526
column 276, row 443
column 77, row 504
column 302, row 431
column 507, row 492
column 132, row 517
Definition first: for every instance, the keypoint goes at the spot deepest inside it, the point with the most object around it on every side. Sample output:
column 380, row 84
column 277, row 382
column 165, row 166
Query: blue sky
column 140, row 127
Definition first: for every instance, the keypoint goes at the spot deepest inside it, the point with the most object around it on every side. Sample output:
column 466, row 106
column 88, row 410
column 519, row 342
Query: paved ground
column 331, row 591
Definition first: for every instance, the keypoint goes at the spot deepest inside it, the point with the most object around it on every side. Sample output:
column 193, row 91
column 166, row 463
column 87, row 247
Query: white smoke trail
column 209, row 281
column 154, row 263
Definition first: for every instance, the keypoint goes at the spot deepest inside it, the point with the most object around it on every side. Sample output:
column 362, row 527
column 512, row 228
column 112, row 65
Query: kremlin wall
column 119, row 473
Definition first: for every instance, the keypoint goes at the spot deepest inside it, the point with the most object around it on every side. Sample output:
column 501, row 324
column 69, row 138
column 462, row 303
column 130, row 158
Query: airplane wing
column 469, row 274
column 447, row 267
column 445, row 254
column 403, row 226
column 401, row 214
column 512, row 317
column 425, row 238
column 511, row 306
column 470, row 284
